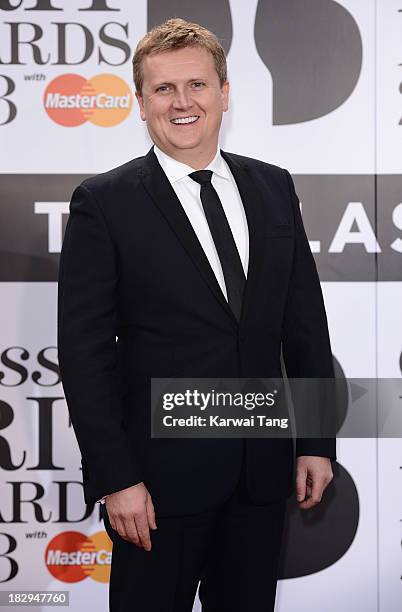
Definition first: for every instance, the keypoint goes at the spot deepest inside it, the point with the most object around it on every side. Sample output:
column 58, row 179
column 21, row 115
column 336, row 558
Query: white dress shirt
column 188, row 192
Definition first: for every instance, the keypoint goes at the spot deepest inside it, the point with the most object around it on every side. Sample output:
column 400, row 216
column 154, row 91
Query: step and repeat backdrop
column 316, row 87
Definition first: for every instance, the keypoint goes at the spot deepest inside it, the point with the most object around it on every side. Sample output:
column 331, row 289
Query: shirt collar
column 176, row 170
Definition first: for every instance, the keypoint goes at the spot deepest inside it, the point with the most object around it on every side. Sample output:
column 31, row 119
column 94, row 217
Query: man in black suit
column 188, row 262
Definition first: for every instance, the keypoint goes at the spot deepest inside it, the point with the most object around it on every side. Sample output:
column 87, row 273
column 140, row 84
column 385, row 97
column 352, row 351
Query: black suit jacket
column 132, row 267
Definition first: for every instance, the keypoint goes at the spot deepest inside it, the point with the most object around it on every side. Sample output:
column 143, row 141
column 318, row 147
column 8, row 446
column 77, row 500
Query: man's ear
column 140, row 100
column 225, row 96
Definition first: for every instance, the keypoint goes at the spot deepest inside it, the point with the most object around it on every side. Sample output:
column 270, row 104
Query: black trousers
column 230, row 551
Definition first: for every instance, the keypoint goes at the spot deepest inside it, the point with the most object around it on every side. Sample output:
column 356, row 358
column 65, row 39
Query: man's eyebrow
column 188, row 81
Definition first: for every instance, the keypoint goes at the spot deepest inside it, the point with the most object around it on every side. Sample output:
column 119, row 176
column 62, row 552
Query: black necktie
column 228, row 254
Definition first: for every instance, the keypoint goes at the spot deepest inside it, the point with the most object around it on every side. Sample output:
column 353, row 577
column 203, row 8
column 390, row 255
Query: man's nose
column 182, row 99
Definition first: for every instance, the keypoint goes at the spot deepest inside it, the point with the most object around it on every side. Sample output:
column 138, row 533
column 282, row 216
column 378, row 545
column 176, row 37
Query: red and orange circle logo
column 71, row 556
column 104, row 100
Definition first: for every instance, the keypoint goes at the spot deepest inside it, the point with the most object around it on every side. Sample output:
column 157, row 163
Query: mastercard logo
column 104, row 100
column 72, row 556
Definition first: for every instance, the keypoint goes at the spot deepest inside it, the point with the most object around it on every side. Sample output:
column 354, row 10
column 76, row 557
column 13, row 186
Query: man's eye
column 198, row 84
column 163, row 88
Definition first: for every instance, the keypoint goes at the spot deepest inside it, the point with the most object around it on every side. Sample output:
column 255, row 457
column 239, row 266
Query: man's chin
column 182, row 145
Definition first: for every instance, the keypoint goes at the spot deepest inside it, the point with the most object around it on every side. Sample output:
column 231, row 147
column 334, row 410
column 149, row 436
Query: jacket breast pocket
column 279, row 231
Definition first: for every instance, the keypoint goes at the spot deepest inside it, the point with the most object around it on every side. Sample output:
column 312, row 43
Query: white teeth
column 185, row 119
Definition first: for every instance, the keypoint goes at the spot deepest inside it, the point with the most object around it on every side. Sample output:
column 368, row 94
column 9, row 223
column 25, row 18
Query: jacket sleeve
column 87, row 353
column 305, row 339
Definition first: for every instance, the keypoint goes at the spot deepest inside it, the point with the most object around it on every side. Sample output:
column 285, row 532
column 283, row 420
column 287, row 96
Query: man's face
column 177, row 85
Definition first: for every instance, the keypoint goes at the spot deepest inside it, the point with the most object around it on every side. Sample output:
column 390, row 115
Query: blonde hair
column 176, row 34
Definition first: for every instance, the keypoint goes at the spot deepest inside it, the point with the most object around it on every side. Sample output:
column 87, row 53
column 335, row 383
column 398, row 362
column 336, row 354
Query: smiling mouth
column 185, row 120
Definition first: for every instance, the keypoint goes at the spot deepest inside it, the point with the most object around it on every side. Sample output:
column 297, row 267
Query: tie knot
column 203, row 177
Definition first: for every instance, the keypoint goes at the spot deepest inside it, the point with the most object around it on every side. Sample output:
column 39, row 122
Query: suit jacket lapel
column 159, row 188
column 164, row 196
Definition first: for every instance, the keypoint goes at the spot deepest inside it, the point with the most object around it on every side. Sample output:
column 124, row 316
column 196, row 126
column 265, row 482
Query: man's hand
column 131, row 513
column 313, row 474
